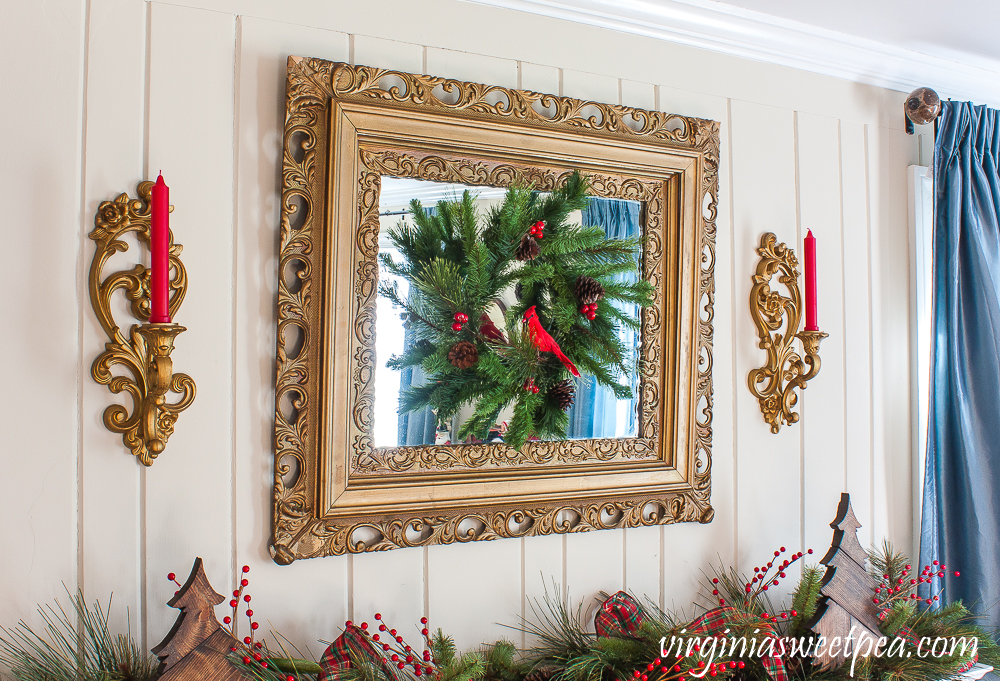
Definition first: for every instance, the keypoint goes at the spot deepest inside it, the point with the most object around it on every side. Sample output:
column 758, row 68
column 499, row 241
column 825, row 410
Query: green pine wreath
column 459, row 264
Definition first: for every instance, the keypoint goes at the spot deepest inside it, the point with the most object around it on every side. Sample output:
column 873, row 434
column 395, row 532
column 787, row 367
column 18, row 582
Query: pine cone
column 528, row 248
column 588, row 290
column 463, row 354
column 563, row 394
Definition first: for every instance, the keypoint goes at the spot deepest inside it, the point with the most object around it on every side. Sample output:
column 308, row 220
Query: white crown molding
column 754, row 35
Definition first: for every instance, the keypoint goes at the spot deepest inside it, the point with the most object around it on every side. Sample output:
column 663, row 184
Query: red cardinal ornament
column 543, row 341
column 489, row 330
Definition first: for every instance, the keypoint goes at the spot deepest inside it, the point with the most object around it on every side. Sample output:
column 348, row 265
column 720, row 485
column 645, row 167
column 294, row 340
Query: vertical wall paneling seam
column 350, row 586
column 871, row 344
column 424, row 57
column 524, row 585
column 520, row 87
column 625, row 556
column 350, row 48
column 564, row 577
column 843, row 282
column 656, row 105
column 143, row 497
column 427, row 565
column 662, row 572
column 619, row 92
column 81, row 298
column 561, row 90
column 234, row 491
column 802, row 399
column 735, row 378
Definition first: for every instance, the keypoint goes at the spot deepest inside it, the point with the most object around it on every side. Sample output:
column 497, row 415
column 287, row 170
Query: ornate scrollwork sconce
column 775, row 383
column 145, row 352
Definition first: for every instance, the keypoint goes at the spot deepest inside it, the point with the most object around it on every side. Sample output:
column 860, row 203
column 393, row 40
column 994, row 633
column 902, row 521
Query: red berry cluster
column 536, row 229
column 589, row 311
column 662, row 670
column 254, row 651
column 239, row 599
column 529, row 386
column 903, row 587
column 397, row 652
column 460, row 319
column 764, row 579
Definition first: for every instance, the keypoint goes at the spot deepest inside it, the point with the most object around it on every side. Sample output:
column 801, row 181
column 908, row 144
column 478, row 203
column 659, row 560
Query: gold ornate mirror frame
column 346, row 127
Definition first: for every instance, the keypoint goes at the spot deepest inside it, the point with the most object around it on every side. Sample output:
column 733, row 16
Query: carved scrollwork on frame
column 498, row 523
column 346, row 127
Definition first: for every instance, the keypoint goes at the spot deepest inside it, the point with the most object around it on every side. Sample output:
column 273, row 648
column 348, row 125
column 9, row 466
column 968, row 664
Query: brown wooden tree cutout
column 847, row 591
column 197, row 646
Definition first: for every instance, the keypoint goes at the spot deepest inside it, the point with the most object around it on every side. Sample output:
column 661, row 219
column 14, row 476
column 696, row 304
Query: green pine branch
column 63, row 652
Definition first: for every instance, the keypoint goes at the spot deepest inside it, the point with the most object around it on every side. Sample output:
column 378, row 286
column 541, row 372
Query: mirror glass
column 595, row 413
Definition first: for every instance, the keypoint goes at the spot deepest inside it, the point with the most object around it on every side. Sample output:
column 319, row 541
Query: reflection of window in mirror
column 597, row 413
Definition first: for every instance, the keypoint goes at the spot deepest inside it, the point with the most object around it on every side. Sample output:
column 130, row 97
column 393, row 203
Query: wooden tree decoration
column 196, row 646
column 847, row 591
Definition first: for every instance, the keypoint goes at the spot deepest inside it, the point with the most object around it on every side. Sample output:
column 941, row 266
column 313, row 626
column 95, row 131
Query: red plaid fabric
column 337, row 657
column 620, row 615
column 907, row 635
column 968, row 665
column 714, row 623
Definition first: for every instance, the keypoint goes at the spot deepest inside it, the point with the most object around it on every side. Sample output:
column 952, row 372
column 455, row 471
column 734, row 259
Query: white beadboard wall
column 99, row 94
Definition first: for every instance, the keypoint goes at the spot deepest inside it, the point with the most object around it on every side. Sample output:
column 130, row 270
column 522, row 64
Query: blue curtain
column 415, row 427
column 960, row 525
column 594, row 414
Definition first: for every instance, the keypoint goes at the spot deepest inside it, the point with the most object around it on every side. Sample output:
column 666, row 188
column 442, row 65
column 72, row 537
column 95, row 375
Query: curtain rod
column 922, row 107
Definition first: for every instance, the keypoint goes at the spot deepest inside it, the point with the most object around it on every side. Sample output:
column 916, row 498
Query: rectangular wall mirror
column 397, row 425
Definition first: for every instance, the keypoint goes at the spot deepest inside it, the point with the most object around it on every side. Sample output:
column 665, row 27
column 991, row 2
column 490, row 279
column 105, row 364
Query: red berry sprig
column 396, row 651
column 715, row 591
column 663, row 670
column 529, row 386
column 173, row 578
column 589, row 311
column 537, row 229
column 254, row 652
column 893, row 588
column 764, row 579
column 460, row 319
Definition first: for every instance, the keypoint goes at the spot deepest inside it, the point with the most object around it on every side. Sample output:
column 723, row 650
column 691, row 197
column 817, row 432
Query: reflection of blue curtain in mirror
column 596, row 412
column 415, row 427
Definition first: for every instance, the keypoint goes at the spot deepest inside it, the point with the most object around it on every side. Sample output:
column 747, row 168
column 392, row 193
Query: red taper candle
column 159, row 250
column 811, row 324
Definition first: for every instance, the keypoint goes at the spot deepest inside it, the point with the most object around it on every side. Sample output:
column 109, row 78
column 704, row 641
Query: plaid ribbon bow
column 620, row 615
column 714, row 623
column 907, row 635
column 337, row 657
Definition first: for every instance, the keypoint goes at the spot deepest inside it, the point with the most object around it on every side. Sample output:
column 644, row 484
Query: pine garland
column 459, row 266
column 565, row 647
column 64, row 652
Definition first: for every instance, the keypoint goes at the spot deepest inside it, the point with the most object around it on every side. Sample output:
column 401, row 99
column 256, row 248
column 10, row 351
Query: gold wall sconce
column 145, row 352
column 774, row 384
